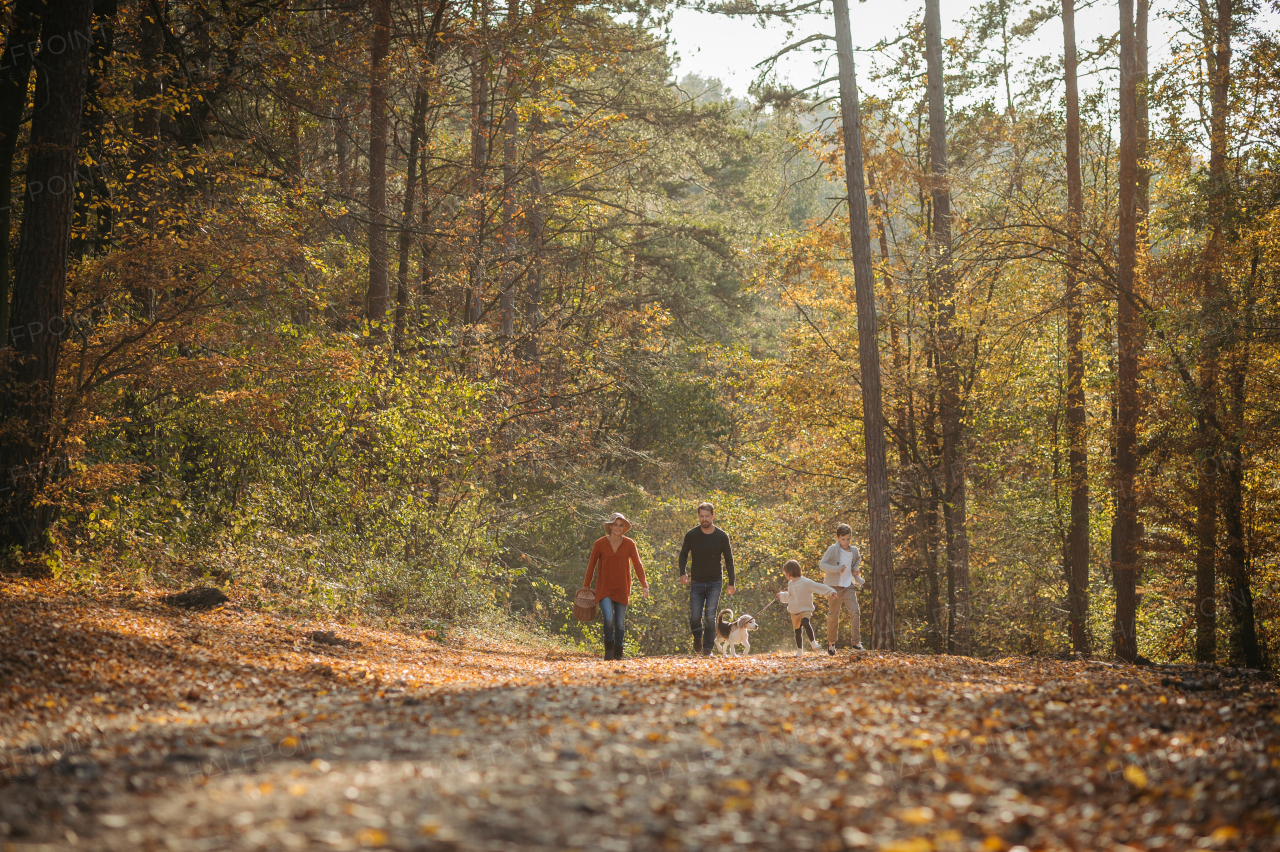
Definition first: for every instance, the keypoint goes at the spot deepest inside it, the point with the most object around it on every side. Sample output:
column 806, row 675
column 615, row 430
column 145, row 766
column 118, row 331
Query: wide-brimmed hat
column 617, row 516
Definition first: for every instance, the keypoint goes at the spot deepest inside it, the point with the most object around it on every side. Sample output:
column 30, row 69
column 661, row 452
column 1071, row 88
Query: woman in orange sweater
column 610, row 563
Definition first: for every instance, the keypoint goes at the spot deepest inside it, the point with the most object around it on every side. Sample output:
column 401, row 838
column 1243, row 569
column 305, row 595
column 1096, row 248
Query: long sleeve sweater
column 707, row 549
column 834, row 575
column 614, row 579
column 799, row 594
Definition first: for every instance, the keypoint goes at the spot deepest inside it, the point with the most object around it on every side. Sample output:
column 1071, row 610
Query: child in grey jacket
column 799, row 600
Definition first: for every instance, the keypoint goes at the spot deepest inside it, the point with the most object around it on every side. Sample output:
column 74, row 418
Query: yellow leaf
column 1135, row 776
column 372, row 837
column 1224, row 833
column 916, row 816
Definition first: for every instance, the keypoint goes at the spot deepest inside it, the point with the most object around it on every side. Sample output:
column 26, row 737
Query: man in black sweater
column 708, row 543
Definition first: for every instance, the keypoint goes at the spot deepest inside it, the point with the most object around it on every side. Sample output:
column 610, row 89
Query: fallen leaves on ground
column 127, row 724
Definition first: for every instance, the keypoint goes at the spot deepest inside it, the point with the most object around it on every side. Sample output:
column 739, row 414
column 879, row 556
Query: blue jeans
column 615, row 620
column 704, row 599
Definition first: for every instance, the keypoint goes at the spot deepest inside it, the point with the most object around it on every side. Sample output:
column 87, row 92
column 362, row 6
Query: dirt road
column 127, row 725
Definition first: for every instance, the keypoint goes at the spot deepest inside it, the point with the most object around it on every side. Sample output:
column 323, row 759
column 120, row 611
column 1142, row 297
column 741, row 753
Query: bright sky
column 727, row 48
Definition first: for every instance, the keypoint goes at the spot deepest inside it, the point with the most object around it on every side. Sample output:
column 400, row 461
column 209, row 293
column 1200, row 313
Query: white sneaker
column 799, row 652
column 859, row 647
column 816, row 646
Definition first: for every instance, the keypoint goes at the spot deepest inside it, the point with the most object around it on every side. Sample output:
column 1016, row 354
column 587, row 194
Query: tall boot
column 697, row 645
column 608, row 650
column 617, row 651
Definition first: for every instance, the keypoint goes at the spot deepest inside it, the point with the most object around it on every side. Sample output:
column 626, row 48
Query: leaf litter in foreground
column 127, row 724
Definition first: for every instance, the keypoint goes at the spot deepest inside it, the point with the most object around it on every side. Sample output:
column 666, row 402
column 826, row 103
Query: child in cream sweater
column 799, row 600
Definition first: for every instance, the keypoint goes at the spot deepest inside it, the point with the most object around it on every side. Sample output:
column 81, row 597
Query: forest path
column 128, row 725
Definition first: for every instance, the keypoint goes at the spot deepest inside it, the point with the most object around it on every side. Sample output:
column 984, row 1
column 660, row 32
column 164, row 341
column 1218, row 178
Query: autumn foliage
column 380, row 308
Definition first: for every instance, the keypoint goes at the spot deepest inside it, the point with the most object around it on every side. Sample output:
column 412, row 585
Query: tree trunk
column 1244, row 631
column 15, row 74
column 1217, row 44
column 1129, row 340
column 342, row 153
column 930, row 547
column 950, row 403
column 146, row 113
column 91, row 195
column 105, row 16
column 434, row 48
column 510, row 131
column 294, row 163
column 479, row 160
column 507, row 299
column 1206, row 524
column 416, row 133
column 1077, row 419
column 1142, row 87
column 906, row 436
column 380, row 47
column 426, row 253
column 878, row 505
column 144, row 183
column 537, row 236
column 40, row 268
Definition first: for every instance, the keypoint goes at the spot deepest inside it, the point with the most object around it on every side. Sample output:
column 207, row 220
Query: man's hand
column 684, row 578
column 729, row 590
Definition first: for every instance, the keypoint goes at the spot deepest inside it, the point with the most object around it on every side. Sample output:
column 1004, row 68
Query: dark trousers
column 704, row 600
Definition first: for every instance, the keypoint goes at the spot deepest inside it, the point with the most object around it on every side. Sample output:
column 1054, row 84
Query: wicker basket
column 584, row 605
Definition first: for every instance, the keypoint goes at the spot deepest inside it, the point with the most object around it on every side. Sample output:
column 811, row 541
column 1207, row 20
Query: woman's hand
column 644, row 590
